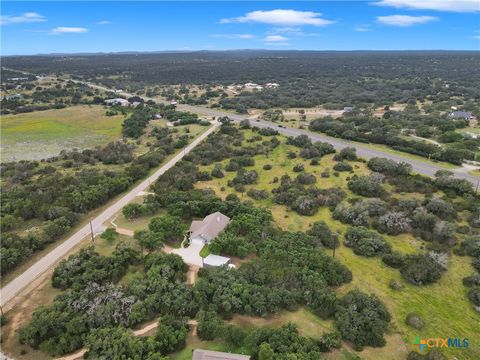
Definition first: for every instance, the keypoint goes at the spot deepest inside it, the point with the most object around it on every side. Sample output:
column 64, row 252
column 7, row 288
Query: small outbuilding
column 215, row 261
column 117, row 101
column 200, row 354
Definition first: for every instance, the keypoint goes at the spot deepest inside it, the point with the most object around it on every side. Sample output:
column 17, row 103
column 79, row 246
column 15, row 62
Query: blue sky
column 94, row 26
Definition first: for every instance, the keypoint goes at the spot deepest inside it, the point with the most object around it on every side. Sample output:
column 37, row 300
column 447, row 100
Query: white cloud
column 362, row 28
column 405, row 20
column 234, row 36
column 29, row 17
column 281, row 17
column 104, row 22
column 440, row 5
column 68, row 30
column 276, row 40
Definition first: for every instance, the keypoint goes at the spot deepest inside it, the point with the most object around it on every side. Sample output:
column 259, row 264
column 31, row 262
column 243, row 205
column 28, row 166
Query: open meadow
column 42, row 134
column 443, row 305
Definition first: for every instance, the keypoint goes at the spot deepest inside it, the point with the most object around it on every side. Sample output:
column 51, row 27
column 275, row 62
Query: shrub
column 305, row 205
column 369, row 186
column 474, row 296
column 109, row 234
column 414, row 320
column 365, row 242
column 217, row 171
column 393, row 259
column 258, row 194
column 470, row 246
column 245, row 177
column 325, row 174
column 348, row 153
column 266, row 131
column 305, row 178
column 342, row 166
column 421, row 269
column 444, row 233
column 267, row 167
column 472, row 280
column 395, row 285
column 298, row 168
column 444, row 210
column 322, row 233
column 393, row 223
column 362, row 319
column 329, row 341
column 389, row 167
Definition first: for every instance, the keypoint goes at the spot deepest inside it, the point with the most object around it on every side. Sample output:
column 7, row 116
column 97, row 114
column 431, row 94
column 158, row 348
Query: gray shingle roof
column 461, row 114
column 210, row 227
column 199, row 354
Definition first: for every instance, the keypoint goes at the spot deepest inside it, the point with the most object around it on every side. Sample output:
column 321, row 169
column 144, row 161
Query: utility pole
column 91, row 231
column 476, row 189
column 334, row 246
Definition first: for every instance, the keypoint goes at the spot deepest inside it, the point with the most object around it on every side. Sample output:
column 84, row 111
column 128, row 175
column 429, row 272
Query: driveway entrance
column 191, row 254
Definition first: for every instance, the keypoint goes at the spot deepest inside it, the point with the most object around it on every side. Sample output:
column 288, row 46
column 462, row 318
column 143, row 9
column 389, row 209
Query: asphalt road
column 421, row 167
column 9, row 291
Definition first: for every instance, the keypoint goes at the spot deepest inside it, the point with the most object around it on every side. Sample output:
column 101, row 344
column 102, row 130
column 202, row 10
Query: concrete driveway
column 191, row 254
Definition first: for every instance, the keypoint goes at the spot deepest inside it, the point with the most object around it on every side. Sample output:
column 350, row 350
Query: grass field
column 41, row 134
column 443, row 306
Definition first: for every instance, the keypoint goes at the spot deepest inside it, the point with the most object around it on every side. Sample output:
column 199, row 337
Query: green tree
column 265, row 352
column 133, row 211
column 109, row 234
column 149, row 240
column 170, row 226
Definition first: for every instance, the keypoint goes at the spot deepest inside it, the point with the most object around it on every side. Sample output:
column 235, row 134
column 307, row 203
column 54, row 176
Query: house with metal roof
column 117, row 101
column 216, row 260
column 199, row 354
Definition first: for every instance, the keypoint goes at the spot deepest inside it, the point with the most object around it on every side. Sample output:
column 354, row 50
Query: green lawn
column 443, row 306
column 40, row 134
column 475, row 130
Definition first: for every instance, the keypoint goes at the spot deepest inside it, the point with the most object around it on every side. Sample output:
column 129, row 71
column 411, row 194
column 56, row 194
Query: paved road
column 421, row 167
column 9, row 291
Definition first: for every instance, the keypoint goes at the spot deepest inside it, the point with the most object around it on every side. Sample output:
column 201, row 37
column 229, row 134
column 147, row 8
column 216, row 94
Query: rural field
column 41, row 134
column 438, row 304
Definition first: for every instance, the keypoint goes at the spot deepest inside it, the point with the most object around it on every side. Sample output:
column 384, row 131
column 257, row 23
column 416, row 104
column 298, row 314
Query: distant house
column 348, row 109
column 18, row 79
column 13, row 97
column 271, row 85
column 118, row 101
column 199, row 354
column 173, row 103
column 158, row 116
column 216, row 260
column 206, row 230
column 135, row 103
column 467, row 115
